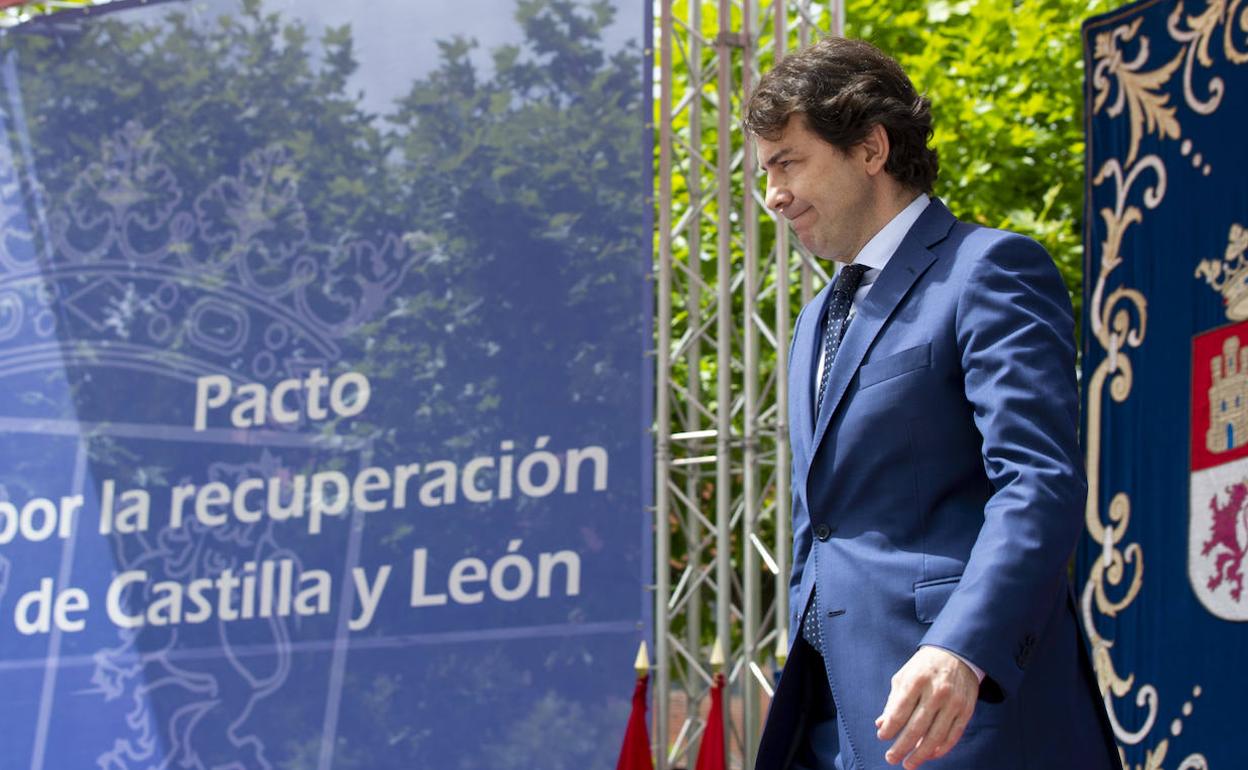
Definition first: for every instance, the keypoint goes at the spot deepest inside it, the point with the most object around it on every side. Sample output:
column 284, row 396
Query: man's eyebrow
column 776, row 156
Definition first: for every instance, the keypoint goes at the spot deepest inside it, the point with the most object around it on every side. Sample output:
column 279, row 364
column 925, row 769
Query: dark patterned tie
column 835, row 321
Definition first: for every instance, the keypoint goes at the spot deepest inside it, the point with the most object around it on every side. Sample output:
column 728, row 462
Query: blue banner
column 323, row 390
column 1165, row 362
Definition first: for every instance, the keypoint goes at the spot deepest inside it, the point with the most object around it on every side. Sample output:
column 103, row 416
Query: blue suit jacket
column 937, row 498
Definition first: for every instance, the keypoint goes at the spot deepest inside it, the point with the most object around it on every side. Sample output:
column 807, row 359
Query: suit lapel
column 896, row 279
column 806, row 358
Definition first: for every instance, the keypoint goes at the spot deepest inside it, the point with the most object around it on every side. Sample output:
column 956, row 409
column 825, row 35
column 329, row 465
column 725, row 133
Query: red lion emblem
column 1224, row 537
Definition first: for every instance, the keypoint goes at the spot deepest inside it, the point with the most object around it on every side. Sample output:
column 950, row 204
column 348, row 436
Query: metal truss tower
column 728, row 280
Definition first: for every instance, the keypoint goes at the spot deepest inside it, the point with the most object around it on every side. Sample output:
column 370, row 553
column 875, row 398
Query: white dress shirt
column 875, row 255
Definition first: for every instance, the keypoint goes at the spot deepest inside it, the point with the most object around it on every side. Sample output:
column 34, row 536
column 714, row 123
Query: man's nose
column 777, row 197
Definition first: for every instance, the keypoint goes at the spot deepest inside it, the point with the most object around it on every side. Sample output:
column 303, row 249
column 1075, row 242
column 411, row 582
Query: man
column 937, row 479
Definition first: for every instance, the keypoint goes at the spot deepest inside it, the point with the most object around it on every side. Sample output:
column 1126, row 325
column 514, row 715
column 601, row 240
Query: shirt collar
column 883, row 245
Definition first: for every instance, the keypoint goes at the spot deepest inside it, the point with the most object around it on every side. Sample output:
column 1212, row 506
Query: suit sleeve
column 1015, row 334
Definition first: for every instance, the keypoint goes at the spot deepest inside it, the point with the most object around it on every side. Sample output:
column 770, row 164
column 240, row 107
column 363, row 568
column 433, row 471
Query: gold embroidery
column 1140, row 90
column 1230, row 276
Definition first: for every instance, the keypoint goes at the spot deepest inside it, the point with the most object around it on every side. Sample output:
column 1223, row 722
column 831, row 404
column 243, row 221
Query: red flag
column 711, row 752
column 635, row 753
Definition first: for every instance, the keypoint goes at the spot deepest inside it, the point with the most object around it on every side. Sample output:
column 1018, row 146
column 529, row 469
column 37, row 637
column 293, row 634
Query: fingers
column 916, row 729
column 928, row 708
column 902, row 699
column 955, row 733
column 943, row 734
column 933, row 740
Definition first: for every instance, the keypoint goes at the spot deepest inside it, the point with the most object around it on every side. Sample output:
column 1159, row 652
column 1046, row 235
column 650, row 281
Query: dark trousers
column 818, row 744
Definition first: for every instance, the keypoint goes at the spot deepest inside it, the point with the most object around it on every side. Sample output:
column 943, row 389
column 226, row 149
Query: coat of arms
column 1218, row 525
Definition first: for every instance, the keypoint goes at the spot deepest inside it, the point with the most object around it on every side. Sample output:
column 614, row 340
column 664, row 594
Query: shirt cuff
column 979, row 672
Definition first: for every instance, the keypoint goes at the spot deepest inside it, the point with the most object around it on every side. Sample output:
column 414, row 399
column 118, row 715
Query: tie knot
column 848, row 279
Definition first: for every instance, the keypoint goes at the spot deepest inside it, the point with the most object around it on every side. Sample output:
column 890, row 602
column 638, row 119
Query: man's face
column 823, row 192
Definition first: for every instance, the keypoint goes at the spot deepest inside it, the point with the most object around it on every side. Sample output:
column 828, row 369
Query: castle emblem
column 1228, row 398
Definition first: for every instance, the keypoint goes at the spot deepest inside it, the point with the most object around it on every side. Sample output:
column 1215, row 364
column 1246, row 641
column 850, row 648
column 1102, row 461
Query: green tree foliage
column 537, row 151
column 20, row 12
column 1005, row 78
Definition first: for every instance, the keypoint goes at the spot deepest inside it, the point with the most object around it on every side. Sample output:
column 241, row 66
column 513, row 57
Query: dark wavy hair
column 844, row 87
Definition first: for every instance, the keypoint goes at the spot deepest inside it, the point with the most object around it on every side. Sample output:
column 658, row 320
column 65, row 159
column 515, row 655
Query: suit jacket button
column 823, row 531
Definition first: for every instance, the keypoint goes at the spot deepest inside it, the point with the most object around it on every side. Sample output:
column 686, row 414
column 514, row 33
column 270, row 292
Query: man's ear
column 875, row 147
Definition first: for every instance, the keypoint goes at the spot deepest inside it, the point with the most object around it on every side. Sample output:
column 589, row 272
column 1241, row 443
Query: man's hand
column 932, row 698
